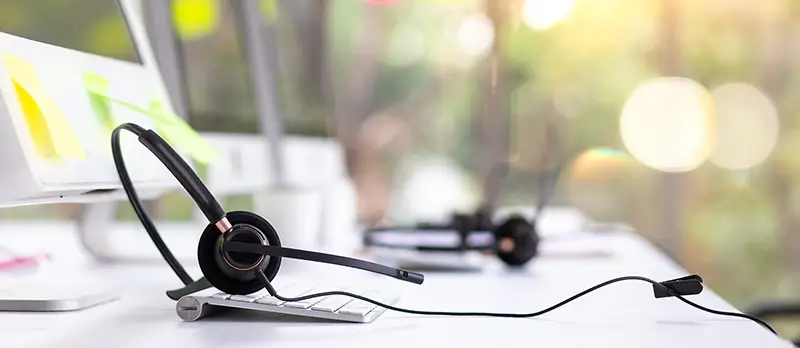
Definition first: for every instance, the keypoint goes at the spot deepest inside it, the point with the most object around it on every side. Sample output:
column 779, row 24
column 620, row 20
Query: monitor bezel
column 126, row 17
column 32, row 188
column 141, row 41
column 124, row 11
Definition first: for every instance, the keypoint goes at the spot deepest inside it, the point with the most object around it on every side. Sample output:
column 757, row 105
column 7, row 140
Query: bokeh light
column 543, row 14
column 269, row 9
column 476, row 35
column 739, row 179
column 570, row 101
column 598, row 163
column 598, row 178
column 406, row 45
column 746, row 126
column 432, row 187
column 194, row 19
column 667, row 124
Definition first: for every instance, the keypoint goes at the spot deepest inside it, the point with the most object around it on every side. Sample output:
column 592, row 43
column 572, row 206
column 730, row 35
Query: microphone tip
column 413, row 277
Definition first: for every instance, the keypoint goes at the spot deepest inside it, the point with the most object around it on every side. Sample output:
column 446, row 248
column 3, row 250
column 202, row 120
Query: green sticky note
column 97, row 88
column 170, row 126
column 180, row 134
column 131, row 106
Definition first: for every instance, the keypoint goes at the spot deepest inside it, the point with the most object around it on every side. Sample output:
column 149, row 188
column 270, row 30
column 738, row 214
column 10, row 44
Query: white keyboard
column 338, row 307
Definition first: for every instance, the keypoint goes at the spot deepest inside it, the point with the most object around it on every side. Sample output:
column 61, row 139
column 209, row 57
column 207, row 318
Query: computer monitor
column 71, row 70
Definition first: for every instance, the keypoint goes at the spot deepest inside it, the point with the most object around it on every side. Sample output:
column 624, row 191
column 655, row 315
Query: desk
column 624, row 314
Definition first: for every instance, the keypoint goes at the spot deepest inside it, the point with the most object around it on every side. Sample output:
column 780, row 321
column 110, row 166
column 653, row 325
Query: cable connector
column 684, row 286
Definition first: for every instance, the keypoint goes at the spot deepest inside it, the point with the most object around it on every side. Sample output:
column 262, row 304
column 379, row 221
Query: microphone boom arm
column 269, row 250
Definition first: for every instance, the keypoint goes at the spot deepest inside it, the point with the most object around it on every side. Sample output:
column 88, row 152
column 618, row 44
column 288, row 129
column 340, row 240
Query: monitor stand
column 42, row 295
column 41, row 288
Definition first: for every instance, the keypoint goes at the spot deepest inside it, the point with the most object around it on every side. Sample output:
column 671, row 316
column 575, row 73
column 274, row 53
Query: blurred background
column 678, row 117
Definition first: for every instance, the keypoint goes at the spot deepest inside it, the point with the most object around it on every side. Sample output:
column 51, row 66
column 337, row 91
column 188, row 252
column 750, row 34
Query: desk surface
column 624, row 314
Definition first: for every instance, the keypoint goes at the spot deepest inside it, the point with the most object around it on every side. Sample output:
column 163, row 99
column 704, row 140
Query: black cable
column 133, row 197
column 268, row 286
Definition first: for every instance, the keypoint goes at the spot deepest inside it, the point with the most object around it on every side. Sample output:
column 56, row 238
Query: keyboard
column 337, row 307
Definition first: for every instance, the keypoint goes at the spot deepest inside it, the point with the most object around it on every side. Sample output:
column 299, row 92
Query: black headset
column 240, row 252
column 515, row 240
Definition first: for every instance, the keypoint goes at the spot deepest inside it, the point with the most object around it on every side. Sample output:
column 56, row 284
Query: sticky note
column 52, row 134
column 177, row 132
column 97, row 88
column 170, row 126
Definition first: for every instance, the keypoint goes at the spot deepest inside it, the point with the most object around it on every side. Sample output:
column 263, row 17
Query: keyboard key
column 295, row 291
column 269, row 300
column 292, row 290
column 221, row 295
column 305, row 304
column 301, row 304
column 376, row 295
column 245, row 298
column 361, row 307
column 359, row 304
column 332, row 303
column 356, row 310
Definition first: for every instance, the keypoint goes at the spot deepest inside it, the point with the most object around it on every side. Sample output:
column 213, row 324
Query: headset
column 514, row 240
column 240, row 252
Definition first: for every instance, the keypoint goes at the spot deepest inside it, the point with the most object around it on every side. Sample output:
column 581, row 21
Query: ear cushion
column 523, row 237
column 210, row 244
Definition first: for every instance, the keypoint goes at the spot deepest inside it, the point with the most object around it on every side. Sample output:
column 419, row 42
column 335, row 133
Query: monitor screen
column 93, row 26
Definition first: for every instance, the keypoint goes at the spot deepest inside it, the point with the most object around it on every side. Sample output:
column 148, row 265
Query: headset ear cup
column 209, row 246
column 516, row 241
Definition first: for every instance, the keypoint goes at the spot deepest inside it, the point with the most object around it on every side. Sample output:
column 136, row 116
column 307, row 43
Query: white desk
column 622, row 315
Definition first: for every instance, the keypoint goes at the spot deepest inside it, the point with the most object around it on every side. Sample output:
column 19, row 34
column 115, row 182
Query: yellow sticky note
column 49, row 128
column 180, row 134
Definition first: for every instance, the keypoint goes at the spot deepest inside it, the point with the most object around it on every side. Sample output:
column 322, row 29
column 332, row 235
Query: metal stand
column 48, row 292
column 93, row 230
column 97, row 218
column 260, row 52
